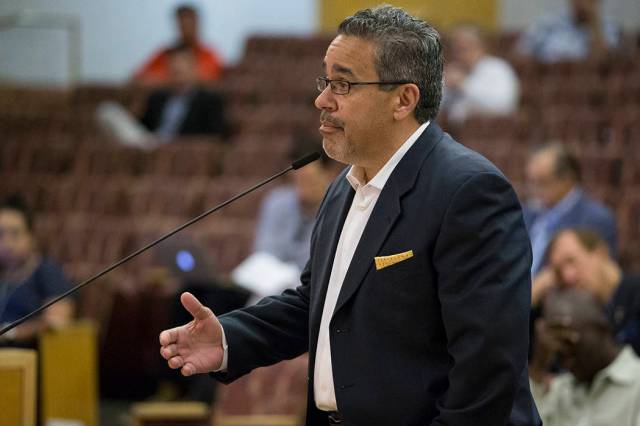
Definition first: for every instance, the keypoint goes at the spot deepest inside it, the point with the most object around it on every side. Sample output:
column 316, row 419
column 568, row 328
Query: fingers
column 176, row 362
column 195, row 308
column 169, row 336
column 186, row 368
column 169, row 351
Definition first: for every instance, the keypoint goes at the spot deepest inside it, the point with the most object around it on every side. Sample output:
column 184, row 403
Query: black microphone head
column 309, row 158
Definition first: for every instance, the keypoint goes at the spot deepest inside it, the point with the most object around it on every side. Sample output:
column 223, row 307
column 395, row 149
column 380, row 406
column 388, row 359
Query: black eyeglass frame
column 326, row 82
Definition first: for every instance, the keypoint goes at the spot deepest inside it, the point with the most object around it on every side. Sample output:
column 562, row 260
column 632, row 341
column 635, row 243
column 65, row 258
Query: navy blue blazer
column 440, row 338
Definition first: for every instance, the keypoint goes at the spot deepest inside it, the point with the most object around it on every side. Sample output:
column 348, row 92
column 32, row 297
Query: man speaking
column 414, row 305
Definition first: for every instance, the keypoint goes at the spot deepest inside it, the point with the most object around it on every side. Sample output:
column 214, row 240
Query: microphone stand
column 294, row 166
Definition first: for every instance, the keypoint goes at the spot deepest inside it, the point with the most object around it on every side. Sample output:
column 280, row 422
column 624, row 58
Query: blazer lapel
column 336, row 210
column 386, row 212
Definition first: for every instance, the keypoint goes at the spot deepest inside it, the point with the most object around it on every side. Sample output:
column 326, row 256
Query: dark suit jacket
column 586, row 213
column 440, row 338
column 204, row 116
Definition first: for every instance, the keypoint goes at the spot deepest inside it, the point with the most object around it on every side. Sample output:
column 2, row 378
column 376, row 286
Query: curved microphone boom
column 301, row 162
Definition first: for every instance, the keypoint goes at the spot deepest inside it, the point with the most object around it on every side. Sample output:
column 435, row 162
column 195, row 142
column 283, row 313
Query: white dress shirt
column 363, row 203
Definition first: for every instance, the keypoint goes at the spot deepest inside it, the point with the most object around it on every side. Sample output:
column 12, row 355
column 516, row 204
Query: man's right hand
column 195, row 347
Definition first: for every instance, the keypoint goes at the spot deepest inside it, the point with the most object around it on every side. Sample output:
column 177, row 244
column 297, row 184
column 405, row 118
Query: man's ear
column 406, row 101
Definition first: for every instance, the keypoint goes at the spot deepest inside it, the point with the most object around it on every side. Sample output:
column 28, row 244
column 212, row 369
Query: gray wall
column 119, row 34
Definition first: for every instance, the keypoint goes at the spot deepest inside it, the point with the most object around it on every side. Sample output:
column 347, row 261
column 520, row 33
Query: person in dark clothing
column 184, row 107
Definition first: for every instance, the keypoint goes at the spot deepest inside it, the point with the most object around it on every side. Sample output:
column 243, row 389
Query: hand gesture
column 195, row 347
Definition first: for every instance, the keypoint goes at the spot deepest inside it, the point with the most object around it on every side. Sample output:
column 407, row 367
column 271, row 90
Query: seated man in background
column 156, row 70
column 477, row 83
column 182, row 108
column 580, row 259
column 580, row 33
column 557, row 202
column 602, row 382
column 283, row 232
column 27, row 280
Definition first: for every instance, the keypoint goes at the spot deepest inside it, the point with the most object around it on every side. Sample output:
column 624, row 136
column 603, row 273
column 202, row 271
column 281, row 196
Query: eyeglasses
column 342, row 87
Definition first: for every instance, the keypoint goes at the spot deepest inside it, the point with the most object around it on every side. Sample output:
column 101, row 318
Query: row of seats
column 250, row 154
column 269, row 98
column 96, row 241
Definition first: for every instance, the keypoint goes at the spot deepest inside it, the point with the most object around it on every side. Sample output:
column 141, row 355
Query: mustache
column 326, row 118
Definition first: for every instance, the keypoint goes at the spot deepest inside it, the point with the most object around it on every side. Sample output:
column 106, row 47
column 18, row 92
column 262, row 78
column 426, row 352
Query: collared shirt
column 364, row 201
column 559, row 38
column 612, row 399
column 541, row 229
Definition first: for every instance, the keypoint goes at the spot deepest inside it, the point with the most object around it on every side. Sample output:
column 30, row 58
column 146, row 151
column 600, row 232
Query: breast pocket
column 398, row 271
column 398, row 276
column 401, row 289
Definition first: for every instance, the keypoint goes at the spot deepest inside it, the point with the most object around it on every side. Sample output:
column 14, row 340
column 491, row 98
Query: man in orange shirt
column 156, row 70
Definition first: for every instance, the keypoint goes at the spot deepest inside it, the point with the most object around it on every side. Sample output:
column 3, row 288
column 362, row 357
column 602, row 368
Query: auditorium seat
column 280, row 389
column 224, row 188
column 18, row 387
column 257, row 156
column 170, row 414
column 259, row 420
column 229, row 240
column 188, row 156
column 129, row 353
column 100, row 157
column 69, row 382
column 627, row 215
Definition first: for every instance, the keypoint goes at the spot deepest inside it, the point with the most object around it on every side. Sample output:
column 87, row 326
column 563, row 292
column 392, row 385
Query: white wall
column 119, row 34
column 518, row 14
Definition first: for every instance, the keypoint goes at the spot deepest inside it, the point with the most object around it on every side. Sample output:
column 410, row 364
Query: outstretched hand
column 195, row 347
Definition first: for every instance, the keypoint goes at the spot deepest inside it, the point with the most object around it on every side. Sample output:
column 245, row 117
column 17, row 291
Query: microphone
column 301, row 162
column 297, row 164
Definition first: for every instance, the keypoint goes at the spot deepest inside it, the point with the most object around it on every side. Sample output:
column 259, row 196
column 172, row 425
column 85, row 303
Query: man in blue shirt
column 557, row 201
column 27, row 280
column 577, row 34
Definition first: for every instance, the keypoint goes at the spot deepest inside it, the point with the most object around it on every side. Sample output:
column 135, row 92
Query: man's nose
column 325, row 100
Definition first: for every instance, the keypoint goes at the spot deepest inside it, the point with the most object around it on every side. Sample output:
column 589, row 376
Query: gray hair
column 407, row 49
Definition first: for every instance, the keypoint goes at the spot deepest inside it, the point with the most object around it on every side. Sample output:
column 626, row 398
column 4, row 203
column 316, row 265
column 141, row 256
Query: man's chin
column 334, row 150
